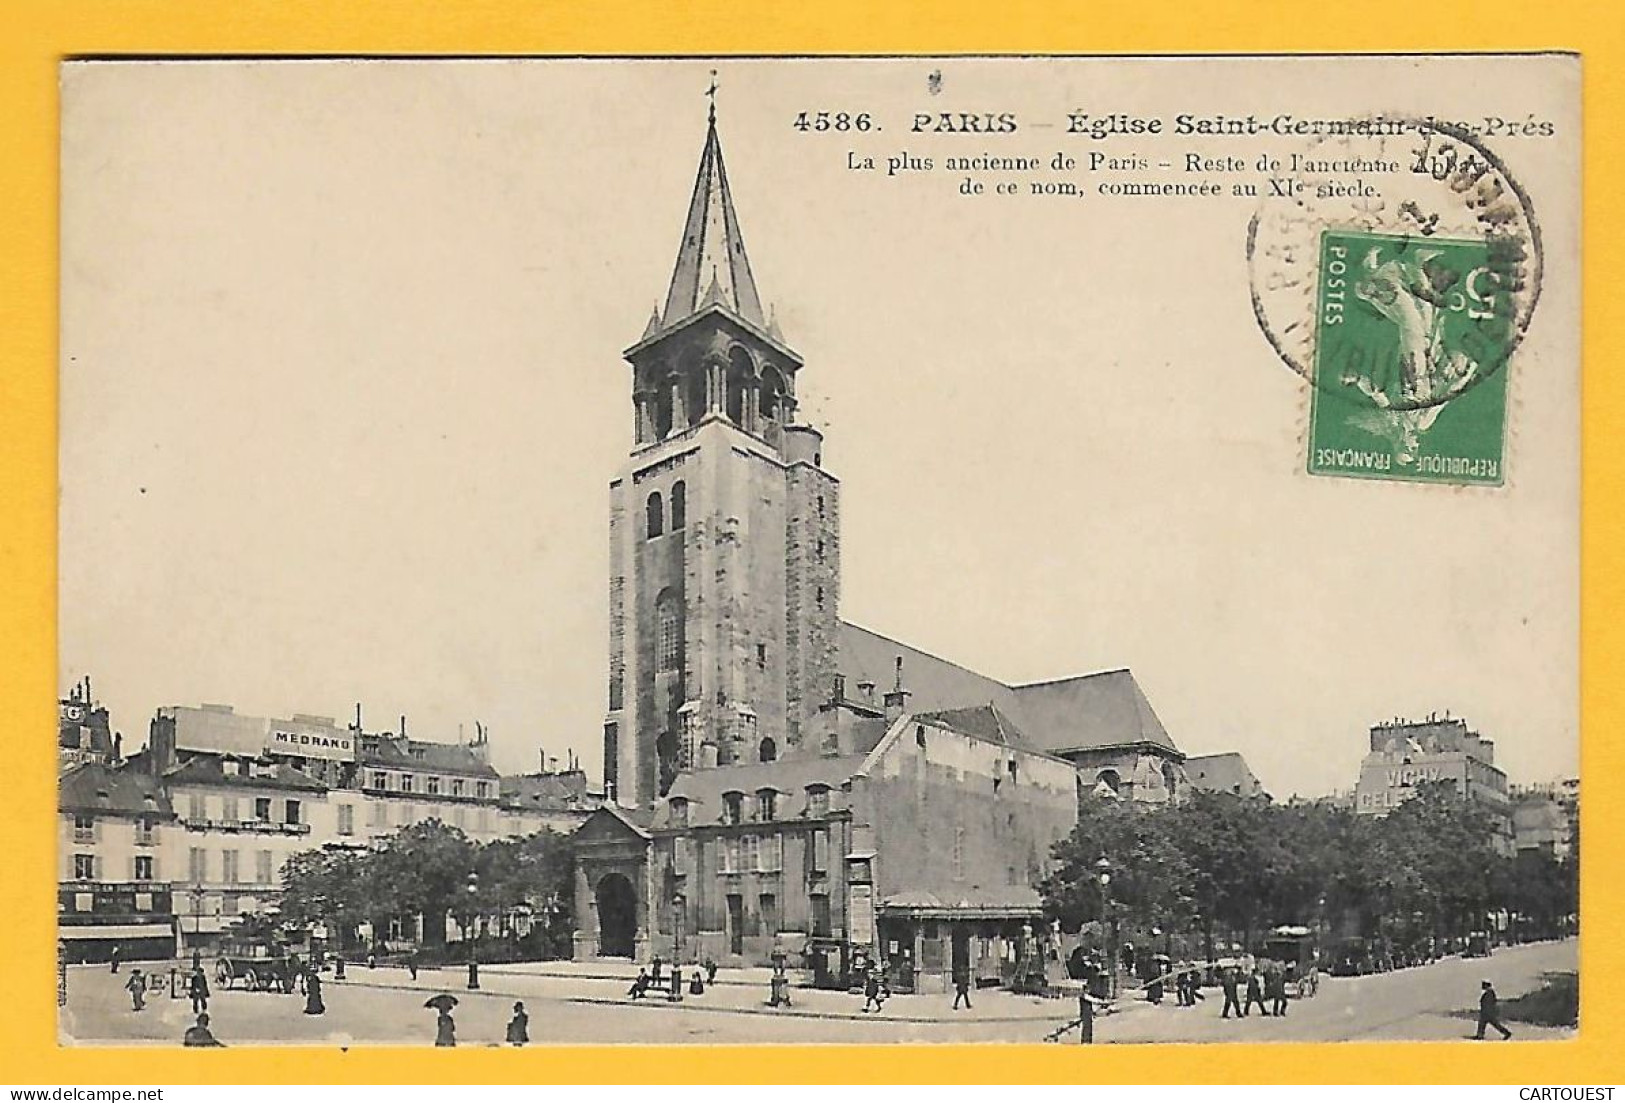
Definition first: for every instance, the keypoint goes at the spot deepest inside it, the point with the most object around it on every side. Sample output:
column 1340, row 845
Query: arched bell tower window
column 655, row 510
column 740, row 386
column 679, row 504
column 770, row 396
column 663, row 411
column 767, row 750
column 668, row 632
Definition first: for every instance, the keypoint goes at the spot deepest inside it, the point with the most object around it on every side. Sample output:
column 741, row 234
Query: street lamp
column 197, row 920
column 1103, row 871
column 473, row 966
column 1320, row 926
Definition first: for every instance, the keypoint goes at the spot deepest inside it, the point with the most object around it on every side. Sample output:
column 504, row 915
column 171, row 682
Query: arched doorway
column 617, row 916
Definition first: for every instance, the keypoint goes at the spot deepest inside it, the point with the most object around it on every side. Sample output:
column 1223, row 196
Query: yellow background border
column 39, row 32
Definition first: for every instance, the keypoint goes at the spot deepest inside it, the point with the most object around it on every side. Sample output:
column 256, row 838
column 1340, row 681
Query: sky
column 342, row 395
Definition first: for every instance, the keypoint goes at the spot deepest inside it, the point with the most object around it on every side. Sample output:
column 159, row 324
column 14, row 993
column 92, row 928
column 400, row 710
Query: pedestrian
column 112, row 958
column 197, row 958
column 1277, row 985
column 200, row 1035
column 696, row 983
column 1255, row 993
column 198, row 988
column 871, row 988
column 412, row 963
column 962, row 988
column 710, row 971
column 1489, row 1012
column 1086, row 1019
column 1228, row 982
column 655, row 977
column 445, row 1028
column 137, row 987
column 519, row 1026
column 640, row 984
column 313, row 993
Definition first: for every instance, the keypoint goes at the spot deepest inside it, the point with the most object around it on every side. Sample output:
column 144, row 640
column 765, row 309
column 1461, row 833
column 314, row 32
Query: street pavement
column 572, row 1003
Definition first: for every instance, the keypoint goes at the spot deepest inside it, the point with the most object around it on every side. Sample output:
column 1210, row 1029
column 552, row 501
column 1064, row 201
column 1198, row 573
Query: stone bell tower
column 724, row 527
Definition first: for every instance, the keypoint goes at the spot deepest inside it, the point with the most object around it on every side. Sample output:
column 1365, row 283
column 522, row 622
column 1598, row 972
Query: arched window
column 668, row 632
column 662, row 410
column 656, row 511
column 767, row 750
column 770, row 395
column 679, row 505
column 740, row 387
column 1111, row 780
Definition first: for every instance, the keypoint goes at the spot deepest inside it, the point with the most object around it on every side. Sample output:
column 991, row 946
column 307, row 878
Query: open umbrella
column 442, row 1002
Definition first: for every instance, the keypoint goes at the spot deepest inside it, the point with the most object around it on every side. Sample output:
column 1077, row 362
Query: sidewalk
column 736, row 991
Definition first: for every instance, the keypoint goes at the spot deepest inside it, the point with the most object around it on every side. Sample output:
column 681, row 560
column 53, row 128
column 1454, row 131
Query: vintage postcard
column 769, row 550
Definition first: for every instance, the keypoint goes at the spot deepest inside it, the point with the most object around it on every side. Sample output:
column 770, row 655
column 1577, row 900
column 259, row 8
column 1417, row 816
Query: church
column 780, row 779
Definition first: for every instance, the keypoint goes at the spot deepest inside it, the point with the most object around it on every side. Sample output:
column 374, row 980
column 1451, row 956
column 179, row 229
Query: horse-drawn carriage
column 266, row 964
column 1294, row 947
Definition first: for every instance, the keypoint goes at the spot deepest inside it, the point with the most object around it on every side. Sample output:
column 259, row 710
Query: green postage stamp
column 1411, row 344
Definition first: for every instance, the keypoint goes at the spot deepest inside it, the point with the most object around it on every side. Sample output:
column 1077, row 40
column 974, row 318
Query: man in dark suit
column 1228, row 982
column 1489, row 1012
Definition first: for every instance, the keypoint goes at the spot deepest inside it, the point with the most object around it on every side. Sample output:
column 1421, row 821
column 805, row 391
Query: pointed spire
column 654, row 323
column 773, row 329
column 712, row 244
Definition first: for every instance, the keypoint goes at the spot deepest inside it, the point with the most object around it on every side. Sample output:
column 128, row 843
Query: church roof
column 933, row 683
column 1070, row 714
column 1222, row 773
column 985, row 721
column 1092, row 710
column 711, row 263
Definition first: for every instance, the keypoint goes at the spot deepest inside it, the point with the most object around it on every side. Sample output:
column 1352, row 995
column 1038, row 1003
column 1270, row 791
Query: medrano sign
column 310, row 744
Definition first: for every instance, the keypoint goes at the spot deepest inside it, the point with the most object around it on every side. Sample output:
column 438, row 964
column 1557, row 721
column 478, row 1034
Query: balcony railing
column 84, row 834
column 262, row 827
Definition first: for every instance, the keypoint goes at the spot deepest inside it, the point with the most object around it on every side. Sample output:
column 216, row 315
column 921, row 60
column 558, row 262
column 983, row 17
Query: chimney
column 118, row 747
column 866, row 691
column 897, row 700
column 403, row 725
column 838, row 694
column 358, row 717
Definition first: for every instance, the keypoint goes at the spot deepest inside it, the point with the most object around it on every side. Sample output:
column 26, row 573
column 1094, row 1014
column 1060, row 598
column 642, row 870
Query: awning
column 90, row 931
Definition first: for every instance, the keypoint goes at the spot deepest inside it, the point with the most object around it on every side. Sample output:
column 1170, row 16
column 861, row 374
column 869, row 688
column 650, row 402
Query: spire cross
column 711, row 93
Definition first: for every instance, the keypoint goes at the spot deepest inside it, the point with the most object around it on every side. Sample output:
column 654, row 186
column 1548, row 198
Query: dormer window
column 733, row 808
column 679, row 812
column 817, row 800
column 767, row 802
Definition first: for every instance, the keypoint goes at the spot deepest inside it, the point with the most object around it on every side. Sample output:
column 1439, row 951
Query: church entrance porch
column 617, row 916
column 612, row 891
